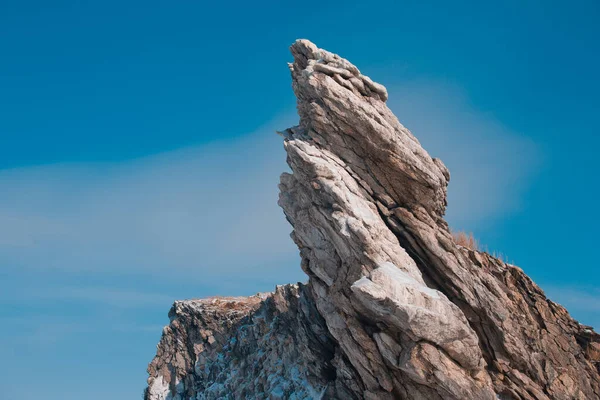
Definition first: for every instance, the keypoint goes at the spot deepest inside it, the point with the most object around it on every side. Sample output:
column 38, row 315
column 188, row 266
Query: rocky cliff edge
column 393, row 307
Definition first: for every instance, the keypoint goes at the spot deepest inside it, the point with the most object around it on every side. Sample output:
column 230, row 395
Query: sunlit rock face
column 393, row 308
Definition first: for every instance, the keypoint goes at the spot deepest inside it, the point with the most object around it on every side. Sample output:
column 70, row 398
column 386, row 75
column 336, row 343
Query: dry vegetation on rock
column 466, row 240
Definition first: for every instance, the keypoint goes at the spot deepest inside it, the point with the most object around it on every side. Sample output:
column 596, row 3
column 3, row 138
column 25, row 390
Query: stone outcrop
column 393, row 308
column 244, row 347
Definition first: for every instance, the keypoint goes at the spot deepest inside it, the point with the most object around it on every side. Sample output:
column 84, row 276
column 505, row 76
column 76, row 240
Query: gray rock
column 393, row 307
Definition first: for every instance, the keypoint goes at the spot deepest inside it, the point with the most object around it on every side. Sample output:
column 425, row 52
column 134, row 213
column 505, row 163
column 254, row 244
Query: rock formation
column 393, row 307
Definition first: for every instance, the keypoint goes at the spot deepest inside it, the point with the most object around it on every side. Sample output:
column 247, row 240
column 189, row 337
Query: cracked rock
column 393, row 308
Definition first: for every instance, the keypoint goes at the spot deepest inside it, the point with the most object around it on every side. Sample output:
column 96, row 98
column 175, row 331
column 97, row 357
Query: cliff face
column 393, row 308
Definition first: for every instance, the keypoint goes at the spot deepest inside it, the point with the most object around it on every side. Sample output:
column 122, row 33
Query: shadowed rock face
column 393, row 307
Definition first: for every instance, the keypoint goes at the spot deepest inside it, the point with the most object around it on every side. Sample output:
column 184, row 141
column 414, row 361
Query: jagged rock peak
column 393, row 308
column 309, row 58
column 345, row 112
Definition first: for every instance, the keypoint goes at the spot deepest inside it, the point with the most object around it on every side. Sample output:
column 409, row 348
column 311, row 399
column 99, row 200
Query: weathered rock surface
column 273, row 345
column 393, row 308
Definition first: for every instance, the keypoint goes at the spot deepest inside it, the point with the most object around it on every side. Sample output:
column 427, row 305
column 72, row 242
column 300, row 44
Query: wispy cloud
column 107, row 296
column 212, row 210
column 490, row 166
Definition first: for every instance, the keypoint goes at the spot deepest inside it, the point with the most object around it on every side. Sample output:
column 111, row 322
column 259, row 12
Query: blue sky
column 138, row 163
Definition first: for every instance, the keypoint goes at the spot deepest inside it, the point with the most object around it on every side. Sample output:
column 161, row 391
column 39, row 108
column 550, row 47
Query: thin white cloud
column 490, row 166
column 211, row 211
column 45, row 331
column 107, row 296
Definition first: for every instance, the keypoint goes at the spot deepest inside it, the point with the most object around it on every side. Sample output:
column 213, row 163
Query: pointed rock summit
column 393, row 307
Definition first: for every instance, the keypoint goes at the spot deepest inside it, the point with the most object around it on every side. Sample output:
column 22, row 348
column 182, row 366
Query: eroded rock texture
column 393, row 308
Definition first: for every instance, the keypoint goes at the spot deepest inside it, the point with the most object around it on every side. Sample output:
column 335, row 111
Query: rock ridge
column 393, row 307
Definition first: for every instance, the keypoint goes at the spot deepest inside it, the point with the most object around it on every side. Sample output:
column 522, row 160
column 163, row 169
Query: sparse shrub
column 466, row 240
